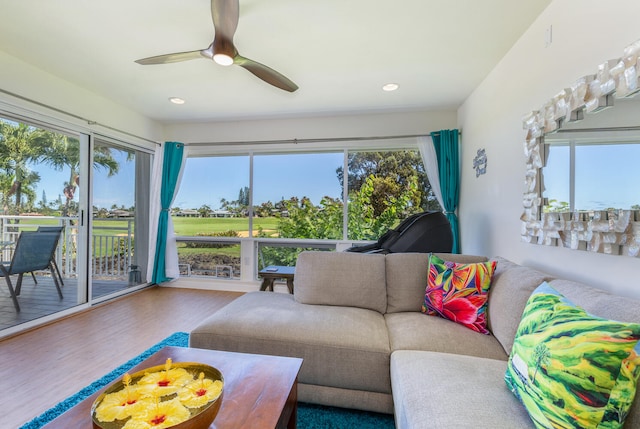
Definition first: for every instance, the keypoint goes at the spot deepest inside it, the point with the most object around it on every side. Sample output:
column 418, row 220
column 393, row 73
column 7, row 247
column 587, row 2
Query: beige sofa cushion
column 341, row 278
column 407, row 278
column 417, row 331
column 599, row 302
column 510, row 289
column 342, row 347
column 450, row 391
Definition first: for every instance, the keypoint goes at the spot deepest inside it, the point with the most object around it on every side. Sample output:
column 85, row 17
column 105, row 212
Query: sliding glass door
column 95, row 192
column 119, row 231
column 42, row 186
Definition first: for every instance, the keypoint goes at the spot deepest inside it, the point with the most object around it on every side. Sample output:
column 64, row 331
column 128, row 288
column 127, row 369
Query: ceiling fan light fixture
column 390, row 87
column 176, row 100
column 225, row 14
column 223, row 59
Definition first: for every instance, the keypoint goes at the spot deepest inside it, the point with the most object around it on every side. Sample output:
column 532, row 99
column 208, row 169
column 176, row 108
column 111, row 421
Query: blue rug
column 310, row 416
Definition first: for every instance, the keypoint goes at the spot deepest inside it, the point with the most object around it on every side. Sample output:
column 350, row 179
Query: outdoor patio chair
column 34, row 251
column 58, row 230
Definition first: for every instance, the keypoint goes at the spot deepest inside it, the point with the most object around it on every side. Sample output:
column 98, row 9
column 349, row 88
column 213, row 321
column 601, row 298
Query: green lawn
column 191, row 226
column 231, row 250
column 187, row 226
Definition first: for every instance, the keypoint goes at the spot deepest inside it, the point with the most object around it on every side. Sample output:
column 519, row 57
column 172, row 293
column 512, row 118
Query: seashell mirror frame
column 614, row 232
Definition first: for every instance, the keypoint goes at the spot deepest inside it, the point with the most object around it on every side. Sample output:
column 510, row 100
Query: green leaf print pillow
column 571, row 369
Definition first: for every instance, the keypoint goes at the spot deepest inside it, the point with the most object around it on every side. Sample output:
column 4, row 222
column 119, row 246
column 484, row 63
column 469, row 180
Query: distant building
column 221, row 213
column 188, row 213
column 119, row 213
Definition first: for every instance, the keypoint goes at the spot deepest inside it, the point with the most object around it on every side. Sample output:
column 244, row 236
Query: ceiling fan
column 225, row 21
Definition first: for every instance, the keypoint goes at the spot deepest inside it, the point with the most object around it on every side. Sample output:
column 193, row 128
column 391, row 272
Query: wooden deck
column 39, row 300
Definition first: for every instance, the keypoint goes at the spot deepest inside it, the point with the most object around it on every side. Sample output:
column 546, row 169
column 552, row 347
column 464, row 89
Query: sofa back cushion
column 341, row 278
column 599, row 302
column 407, row 278
column 510, row 289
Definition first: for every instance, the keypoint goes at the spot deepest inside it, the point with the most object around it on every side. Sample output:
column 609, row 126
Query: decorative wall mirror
column 582, row 149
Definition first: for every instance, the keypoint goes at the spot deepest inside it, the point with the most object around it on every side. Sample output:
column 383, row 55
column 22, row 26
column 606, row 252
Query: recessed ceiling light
column 176, row 100
column 390, row 87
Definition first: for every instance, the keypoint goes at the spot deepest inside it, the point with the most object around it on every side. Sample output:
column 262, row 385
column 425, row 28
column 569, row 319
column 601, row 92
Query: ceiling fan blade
column 225, row 15
column 174, row 58
column 265, row 73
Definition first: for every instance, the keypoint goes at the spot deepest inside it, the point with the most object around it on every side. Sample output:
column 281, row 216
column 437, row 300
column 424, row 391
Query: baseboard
column 223, row 285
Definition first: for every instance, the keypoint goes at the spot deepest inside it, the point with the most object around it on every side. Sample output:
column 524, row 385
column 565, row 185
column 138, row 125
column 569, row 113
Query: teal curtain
column 446, row 145
column 171, row 165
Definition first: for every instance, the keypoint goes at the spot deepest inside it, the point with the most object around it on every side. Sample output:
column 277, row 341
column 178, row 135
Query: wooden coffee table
column 260, row 391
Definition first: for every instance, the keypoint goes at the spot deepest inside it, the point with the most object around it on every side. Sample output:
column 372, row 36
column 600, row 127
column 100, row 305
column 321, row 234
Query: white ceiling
column 339, row 52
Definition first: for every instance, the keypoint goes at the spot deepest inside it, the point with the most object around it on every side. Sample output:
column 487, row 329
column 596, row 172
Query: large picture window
column 279, row 199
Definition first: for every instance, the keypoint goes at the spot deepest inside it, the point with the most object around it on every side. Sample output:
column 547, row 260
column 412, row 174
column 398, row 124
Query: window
column 557, row 179
column 290, row 202
column 385, row 187
column 213, row 201
column 589, row 174
column 599, row 179
column 302, row 192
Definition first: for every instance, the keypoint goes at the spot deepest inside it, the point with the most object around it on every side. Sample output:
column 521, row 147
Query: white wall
column 26, row 81
column 585, row 33
column 363, row 125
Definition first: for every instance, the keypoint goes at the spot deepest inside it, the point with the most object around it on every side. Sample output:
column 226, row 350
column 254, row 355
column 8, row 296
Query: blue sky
column 208, row 180
column 599, row 174
column 118, row 189
column 602, row 175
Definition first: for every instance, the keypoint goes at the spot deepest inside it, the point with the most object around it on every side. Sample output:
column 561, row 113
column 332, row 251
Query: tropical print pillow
column 571, row 369
column 458, row 292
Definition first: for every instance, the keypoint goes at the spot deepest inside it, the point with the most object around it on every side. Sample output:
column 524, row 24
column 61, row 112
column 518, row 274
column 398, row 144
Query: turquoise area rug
column 310, row 416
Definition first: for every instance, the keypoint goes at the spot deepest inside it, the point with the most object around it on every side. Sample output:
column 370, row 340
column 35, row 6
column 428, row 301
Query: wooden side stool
column 272, row 272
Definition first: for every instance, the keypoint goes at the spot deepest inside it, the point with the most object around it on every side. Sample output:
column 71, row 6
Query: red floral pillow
column 458, row 292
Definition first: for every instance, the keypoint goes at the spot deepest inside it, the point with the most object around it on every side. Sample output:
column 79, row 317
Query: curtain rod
column 254, row 142
column 316, row 140
column 73, row 115
column 601, row 129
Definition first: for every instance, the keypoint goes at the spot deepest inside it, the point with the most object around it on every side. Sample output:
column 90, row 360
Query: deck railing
column 111, row 243
column 235, row 258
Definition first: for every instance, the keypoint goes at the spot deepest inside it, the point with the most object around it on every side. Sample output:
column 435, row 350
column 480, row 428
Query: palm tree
column 19, row 144
column 542, row 355
column 64, row 151
column 204, row 210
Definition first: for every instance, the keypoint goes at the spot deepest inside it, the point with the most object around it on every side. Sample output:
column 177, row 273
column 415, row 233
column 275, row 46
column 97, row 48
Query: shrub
column 201, row 245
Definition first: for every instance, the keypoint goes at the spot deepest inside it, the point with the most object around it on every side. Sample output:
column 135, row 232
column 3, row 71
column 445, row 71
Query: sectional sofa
column 356, row 321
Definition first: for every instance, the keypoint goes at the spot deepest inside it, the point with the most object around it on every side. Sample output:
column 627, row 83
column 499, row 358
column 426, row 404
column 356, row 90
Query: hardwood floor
column 41, row 367
column 41, row 299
